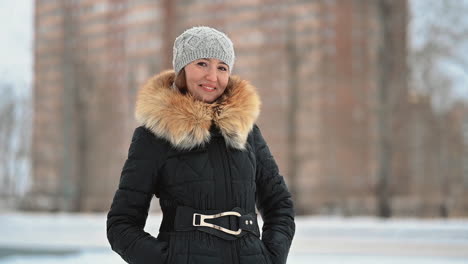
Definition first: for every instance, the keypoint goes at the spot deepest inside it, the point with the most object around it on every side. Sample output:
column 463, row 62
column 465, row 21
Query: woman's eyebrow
column 211, row 59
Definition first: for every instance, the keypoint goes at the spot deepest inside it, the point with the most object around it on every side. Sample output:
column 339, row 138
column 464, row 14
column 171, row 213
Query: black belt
column 228, row 225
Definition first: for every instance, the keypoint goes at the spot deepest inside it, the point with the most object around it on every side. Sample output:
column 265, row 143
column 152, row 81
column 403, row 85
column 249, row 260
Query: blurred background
column 365, row 108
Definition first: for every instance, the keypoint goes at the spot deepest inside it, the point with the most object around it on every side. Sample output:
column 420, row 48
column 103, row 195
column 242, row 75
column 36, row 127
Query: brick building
column 316, row 65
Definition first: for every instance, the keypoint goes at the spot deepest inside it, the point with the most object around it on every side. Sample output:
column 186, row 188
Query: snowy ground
column 69, row 239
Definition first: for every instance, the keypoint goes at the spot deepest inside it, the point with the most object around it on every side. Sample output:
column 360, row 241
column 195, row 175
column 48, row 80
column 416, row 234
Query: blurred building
column 457, row 192
column 316, row 65
column 437, row 158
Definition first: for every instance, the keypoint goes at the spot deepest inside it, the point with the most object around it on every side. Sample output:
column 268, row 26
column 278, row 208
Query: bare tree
column 391, row 87
column 438, row 50
column 14, row 143
column 7, row 122
column 437, row 59
column 66, row 196
column 22, row 154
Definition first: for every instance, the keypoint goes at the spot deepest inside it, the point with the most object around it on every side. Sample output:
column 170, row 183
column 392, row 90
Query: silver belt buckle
column 217, row 227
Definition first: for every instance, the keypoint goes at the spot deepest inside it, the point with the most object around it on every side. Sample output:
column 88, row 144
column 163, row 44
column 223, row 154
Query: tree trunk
column 385, row 71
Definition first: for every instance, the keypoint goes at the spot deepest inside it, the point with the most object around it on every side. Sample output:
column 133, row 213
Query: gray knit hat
column 202, row 42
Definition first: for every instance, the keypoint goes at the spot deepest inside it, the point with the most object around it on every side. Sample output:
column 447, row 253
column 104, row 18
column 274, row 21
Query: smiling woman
column 200, row 152
column 206, row 79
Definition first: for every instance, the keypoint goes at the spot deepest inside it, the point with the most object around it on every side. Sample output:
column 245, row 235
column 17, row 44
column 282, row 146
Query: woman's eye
column 222, row 68
column 201, row 63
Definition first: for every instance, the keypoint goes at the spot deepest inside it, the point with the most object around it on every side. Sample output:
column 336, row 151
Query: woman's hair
column 180, row 81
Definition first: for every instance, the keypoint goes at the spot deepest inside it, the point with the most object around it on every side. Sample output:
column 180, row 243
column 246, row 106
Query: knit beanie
column 202, row 42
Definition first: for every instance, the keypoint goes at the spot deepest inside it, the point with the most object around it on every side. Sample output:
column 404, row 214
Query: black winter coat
column 221, row 164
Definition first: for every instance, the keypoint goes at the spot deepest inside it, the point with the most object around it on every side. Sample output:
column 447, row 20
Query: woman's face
column 206, row 79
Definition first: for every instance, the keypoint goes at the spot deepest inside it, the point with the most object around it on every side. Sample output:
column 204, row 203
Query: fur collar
column 185, row 122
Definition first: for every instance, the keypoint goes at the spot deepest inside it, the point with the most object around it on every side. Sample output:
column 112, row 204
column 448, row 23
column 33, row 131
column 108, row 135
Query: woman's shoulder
column 142, row 132
column 145, row 134
column 256, row 138
column 254, row 133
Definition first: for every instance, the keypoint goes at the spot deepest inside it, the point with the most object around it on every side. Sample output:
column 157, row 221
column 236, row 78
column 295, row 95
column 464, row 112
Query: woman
column 199, row 151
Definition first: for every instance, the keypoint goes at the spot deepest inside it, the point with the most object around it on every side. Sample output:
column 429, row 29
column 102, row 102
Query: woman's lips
column 208, row 88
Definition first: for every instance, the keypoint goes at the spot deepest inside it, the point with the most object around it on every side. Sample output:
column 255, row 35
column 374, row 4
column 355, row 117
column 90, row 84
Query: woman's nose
column 211, row 75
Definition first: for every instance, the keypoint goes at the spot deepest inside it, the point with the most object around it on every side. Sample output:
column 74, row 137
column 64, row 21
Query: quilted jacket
column 203, row 156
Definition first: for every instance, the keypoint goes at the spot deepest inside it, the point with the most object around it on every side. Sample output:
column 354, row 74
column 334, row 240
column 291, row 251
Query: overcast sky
column 16, row 24
column 16, row 38
column 449, row 14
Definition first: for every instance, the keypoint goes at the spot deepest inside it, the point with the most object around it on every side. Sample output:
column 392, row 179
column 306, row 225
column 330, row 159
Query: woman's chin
column 208, row 98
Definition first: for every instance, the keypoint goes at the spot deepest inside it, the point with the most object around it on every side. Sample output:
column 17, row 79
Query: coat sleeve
column 273, row 202
column 129, row 210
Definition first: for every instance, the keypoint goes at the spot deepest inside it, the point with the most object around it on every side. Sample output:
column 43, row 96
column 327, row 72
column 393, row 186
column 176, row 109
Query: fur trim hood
column 185, row 122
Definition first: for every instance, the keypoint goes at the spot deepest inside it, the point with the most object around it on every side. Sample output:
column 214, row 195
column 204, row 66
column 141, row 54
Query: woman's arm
column 129, row 211
column 274, row 202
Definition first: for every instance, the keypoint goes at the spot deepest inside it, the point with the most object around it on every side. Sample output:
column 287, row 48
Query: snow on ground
column 28, row 238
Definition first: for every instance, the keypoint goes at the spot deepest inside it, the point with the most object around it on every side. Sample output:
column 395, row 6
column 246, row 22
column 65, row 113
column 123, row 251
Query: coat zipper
column 227, row 173
column 234, row 247
column 228, row 204
column 229, row 178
